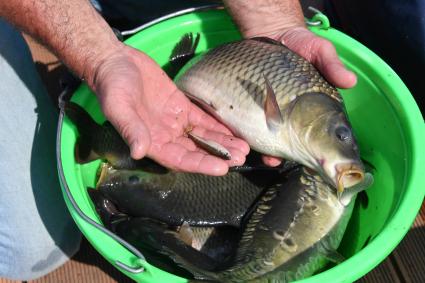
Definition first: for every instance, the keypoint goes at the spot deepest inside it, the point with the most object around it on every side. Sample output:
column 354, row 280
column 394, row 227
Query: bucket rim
column 405, row 209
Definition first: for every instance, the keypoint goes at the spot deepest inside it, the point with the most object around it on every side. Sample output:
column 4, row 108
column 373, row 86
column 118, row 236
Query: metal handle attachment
column 129, row 268
column 80, row 213
column 318, row 20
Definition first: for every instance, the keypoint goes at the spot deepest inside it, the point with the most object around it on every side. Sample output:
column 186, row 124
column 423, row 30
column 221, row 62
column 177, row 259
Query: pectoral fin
column 185, row 233
column 330, row 254
column 271, row 107
column 334, row 256
column 106, row 210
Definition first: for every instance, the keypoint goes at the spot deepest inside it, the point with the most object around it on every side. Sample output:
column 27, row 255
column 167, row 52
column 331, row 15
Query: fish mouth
column 348, row 175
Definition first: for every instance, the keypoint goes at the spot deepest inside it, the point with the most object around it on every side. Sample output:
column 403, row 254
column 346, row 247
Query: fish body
column 294, row 230
column 291, row 231
column 175, row 198
column 279, row 103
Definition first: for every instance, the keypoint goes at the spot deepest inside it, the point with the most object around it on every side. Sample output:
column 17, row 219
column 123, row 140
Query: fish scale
column 279, row 103
column 298, row 240
column 289, row 74
column 175, row 198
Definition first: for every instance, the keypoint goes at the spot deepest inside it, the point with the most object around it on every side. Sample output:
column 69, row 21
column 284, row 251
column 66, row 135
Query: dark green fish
column 208, row 246
column 278, row 102
column 292, row 232
column 175, row 198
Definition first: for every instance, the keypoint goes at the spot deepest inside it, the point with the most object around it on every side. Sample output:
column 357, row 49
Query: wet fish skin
column 159, row 243
column 231, row 82
column 297, row 248
column 292, row 232
column 174, row 198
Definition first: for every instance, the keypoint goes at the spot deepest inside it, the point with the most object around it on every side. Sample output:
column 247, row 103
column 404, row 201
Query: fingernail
column 136, row 150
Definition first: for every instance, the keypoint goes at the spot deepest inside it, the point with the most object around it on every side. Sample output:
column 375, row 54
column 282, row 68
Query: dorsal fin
column 271, row 107
column 182, row 53
column 267, row 40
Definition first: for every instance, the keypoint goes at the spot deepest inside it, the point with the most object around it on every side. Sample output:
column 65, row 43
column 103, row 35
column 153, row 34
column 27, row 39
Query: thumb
column 130, row 126
column 325, row 58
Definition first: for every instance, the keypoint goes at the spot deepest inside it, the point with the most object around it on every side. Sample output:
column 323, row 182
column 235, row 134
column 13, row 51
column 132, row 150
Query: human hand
column 152, row 115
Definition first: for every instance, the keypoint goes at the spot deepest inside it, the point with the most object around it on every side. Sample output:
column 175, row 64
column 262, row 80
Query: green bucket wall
column 385, row 118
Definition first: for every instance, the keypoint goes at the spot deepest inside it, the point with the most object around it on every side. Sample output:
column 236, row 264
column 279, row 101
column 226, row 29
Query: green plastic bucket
column 385, row 118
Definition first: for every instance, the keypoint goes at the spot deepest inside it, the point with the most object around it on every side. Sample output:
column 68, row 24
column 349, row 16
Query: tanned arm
column 72, row 29
column 135, row 94
column 265, row 17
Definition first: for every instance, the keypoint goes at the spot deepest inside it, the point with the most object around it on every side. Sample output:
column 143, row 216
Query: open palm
column 153, row 116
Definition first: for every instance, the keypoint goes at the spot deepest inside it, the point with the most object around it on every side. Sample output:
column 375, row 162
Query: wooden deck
column 405, row 264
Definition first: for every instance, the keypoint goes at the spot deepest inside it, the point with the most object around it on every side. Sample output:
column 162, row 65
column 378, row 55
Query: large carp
column 278, row 102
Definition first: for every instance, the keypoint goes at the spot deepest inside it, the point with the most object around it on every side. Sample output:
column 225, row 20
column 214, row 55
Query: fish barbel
column 279, row 103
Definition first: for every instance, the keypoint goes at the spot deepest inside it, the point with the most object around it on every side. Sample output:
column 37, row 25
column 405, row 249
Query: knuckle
column 124, row 128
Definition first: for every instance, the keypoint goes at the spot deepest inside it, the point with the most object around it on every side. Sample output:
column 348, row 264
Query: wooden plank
column 410, row 254
column 406, row 263
column 383, row 273
column 87, row 266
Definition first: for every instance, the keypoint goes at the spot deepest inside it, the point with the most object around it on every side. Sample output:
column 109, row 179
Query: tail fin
column 87, row 127
column 182, row 53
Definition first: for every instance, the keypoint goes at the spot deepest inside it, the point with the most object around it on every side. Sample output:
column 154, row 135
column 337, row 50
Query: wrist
column 265, row 17
column 99, row 60
column 277, row 31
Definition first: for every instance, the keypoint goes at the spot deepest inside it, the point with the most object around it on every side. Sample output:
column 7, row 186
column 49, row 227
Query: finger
column 176, row 156
column 198, row 117
column 271, row 161
column 186, row 143
column 325, row 58
column 130, row 126
column 322, row 54
column 238, row 157
column 228, row 141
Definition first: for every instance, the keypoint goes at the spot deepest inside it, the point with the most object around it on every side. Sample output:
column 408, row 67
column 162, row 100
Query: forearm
column 254, row 17
column 72, row 29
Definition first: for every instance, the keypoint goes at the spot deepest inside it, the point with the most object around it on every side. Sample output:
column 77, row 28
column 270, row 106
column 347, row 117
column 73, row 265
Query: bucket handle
column 82, row 215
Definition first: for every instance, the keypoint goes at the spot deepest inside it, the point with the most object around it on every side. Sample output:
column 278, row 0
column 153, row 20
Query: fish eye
column 343, row 133
column 133, row 179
